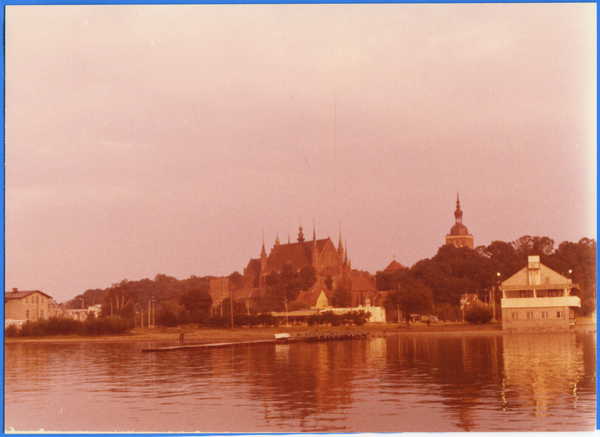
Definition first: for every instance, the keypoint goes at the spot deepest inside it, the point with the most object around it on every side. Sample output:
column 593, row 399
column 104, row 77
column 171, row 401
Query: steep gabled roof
column 521, row 278
column 311, row 297
column 23, row 294
column 297, row 254
column 393, row 266
column 253, row 267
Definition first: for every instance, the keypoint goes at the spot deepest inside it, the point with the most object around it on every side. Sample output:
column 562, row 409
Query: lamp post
column 494, row 297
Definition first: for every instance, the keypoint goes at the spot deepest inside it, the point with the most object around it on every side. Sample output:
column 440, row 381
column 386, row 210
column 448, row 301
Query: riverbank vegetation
column 436, row 285
column 431, row 286
column 55, row 326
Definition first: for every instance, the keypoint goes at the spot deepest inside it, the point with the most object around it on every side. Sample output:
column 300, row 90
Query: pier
column 279, row 339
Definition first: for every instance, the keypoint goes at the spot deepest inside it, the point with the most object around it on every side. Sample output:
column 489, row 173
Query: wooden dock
column 278, row 340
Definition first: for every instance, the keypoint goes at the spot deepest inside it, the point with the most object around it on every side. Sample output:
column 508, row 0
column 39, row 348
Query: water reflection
column 391, row 384
column 544, row 372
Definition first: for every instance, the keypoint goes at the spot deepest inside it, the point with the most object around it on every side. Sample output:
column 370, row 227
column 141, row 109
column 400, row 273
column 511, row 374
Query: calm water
column 497, row 382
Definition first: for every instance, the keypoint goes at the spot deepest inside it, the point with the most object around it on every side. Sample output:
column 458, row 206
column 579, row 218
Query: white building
column 538, row 298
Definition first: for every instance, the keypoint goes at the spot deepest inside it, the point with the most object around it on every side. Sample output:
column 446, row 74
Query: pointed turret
column 263, row 255
column 340, row 245
column 458, row 213
column 277, row 239
column 300, row 235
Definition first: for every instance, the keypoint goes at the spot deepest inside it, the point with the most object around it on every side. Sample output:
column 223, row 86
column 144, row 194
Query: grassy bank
column 205, row 335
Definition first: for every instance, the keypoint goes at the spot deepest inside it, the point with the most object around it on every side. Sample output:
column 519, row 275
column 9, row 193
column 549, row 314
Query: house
column 538, row 298
column 26, row 305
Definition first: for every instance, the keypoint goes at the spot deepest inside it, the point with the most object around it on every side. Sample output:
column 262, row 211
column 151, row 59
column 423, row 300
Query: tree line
column 436, row 285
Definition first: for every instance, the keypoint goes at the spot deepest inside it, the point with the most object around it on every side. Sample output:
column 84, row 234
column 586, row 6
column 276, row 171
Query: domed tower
column 459, row 234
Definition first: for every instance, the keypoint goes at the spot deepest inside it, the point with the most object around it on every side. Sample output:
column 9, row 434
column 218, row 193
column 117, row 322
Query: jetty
column 279, row 339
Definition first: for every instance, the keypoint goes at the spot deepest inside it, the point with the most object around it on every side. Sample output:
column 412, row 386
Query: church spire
column 277, row 239
column 340, row 245
column 458, row 213
column 263, row 255
column 314, row 234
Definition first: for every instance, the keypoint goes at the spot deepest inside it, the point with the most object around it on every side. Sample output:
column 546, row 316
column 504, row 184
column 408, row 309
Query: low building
column 26, row 305
column 538, row 298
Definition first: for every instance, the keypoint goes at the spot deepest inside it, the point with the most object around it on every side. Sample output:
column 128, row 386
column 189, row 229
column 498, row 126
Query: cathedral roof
column 297, row 254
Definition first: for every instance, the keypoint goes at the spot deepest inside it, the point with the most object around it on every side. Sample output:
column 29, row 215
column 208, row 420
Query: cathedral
column 459, row 234
column 330, row 264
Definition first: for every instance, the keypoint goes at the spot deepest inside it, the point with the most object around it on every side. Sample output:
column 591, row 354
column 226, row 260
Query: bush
column 65, row 326
column 106, row 326
column 357, row 318
column 478, row 314
column 12, row 330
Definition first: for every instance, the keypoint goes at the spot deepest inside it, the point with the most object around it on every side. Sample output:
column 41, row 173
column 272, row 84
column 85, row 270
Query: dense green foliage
column 411, row 295
column 454, row 271
column 432, row 285
column 341, row 298
column 64, row 326
column 357, row 318
column 285, row 286
column 478, row 314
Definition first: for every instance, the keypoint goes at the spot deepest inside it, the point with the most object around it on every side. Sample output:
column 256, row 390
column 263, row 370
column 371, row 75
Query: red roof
column 394, row 265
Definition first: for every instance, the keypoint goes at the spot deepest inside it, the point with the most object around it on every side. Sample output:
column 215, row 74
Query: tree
column 413, row 297
column 287, row 284
column 197, row 303
column 478, row 314
column 306, row 278
column 170, row 313
column 341, row 298
column 236, row 279
column 328, row 282
column 120, row 301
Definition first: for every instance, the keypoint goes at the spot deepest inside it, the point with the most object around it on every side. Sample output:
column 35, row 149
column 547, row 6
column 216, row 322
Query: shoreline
column 207, row 335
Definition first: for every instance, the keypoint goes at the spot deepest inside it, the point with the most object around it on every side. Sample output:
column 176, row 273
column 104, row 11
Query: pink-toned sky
column 166, row 139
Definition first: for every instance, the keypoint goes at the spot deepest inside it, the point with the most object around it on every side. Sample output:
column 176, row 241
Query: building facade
column 459, row 234
column 537, row 298
column 331, row 265
column 26, row 305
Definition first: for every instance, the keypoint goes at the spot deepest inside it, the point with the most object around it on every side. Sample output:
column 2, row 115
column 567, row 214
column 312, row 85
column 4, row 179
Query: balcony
column 541, row 302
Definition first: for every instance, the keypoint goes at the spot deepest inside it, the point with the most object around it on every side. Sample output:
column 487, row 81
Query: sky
column 145, row 140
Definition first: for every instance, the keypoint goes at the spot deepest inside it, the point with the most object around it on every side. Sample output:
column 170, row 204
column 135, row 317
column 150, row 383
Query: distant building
column 538, row 298
column 330, row 264
column 393, row 266
column 459, row 234
column 26, row 305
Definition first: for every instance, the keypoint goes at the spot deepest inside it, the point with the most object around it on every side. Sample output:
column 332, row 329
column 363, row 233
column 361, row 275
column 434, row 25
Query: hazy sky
column 166, row 139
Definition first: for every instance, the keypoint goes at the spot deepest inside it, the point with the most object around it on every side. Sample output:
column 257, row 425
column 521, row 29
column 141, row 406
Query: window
column 27, row 314
column 559, row 315
column 530, row 315
column 544, row 314
column 26, row 300
column 555, row 293
column 42, row 314
column 526, row 293
column 515, row 315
